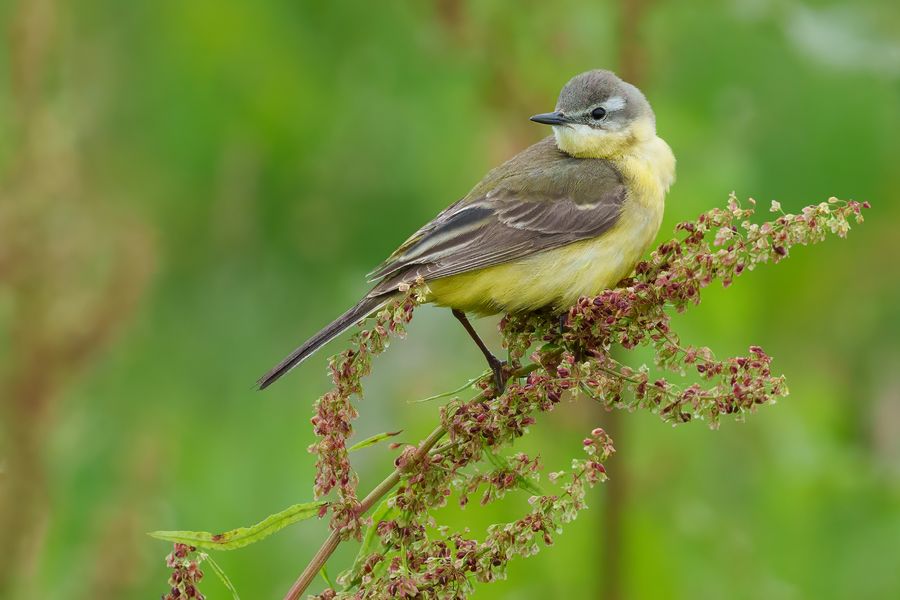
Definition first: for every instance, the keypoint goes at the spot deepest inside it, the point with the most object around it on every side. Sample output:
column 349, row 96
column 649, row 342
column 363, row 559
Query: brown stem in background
column 632, row 61
column 615, row 497
column 632, row 53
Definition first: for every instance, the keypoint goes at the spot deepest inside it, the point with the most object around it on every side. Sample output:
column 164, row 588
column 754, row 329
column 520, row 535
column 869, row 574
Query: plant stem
column 334, row 539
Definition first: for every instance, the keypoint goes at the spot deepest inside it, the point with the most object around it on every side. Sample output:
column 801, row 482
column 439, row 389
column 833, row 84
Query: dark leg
column 495, row 363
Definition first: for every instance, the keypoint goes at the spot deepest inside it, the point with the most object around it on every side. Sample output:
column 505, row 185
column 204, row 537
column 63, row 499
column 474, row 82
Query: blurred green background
column 190, row 188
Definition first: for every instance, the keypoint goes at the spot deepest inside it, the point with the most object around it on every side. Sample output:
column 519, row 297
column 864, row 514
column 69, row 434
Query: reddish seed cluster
column 413, row 563
column 186, row 574
column 638, row 314
column 415, row 556
column 515, row 473
column 334, row 412
column 441, row 565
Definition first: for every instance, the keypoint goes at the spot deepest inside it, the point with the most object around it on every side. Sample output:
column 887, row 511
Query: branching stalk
column 334, row 539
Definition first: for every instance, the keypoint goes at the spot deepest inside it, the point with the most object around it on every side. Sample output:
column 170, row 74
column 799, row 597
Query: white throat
column 584, row 141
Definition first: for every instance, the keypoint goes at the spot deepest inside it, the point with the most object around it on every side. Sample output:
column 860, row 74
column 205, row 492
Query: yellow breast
column 559, row 277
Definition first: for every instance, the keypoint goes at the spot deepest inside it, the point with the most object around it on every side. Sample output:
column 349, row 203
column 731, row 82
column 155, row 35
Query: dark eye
column 598, row 113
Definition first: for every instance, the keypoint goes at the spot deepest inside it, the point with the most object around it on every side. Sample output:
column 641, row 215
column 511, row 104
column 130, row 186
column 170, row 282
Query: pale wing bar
column 510, row 230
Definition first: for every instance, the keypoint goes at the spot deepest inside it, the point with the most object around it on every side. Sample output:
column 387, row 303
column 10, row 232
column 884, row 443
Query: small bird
column 567, row 217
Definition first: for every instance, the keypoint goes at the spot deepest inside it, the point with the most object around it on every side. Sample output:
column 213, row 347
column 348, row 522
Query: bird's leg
column 494, row 363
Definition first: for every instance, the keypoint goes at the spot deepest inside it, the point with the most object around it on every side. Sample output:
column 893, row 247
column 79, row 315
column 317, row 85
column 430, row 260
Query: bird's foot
column 501, row 377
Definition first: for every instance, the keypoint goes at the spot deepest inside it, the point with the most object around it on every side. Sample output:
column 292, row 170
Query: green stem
column 334, row 539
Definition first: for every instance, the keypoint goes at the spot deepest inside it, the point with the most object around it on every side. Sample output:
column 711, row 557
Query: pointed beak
column 554, row 118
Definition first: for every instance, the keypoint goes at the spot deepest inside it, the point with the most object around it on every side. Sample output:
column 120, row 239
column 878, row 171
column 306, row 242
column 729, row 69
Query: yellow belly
column 559, row 277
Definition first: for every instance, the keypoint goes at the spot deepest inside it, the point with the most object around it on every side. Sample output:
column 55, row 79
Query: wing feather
column 539, row 200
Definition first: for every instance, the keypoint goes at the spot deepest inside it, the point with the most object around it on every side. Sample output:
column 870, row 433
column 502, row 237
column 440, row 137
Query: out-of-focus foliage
column 187, row 189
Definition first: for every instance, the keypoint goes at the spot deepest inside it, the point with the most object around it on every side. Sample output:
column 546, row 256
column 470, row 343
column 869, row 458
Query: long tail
column 362, row 309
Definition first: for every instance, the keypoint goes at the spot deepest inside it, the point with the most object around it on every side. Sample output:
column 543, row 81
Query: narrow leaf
column 220, row 573
column 324, row 573
column 371, row 441
column 243, row 536
column 464, row 387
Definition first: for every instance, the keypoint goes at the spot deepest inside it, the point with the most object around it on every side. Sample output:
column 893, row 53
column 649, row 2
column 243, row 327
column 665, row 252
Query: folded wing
column 540, row 200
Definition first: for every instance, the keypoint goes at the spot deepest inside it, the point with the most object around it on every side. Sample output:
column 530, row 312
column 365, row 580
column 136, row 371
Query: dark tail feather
column 362, row 309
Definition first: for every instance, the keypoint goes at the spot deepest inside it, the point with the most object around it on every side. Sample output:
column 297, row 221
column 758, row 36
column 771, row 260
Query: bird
column 567, row 217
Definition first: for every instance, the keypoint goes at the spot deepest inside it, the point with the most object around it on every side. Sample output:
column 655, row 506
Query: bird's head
column 599, row 116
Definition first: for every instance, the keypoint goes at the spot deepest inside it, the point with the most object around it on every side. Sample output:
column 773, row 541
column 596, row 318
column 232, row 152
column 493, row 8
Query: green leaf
column 465, row 386
column 324, row 573
column 221, row 575
column 371, row 441
column 243, row 536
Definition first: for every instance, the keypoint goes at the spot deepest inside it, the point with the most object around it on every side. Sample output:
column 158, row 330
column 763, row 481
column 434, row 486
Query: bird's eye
column 598, row 113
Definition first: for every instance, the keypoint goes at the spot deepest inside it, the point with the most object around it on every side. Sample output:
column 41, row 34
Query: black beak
column 554, row 118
